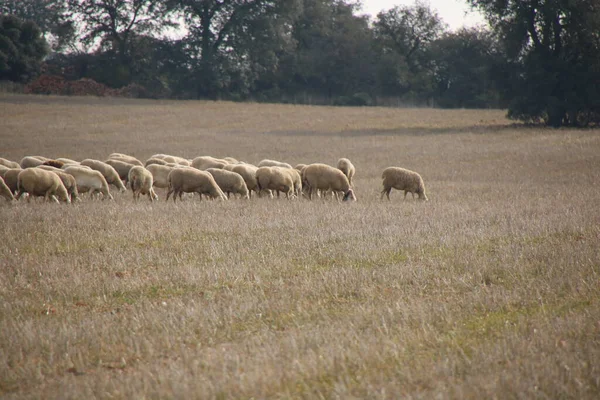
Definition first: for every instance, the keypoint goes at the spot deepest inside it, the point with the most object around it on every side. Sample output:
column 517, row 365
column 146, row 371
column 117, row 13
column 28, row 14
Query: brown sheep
column 39, row 182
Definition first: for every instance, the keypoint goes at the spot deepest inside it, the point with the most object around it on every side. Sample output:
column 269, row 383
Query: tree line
column 540, row 59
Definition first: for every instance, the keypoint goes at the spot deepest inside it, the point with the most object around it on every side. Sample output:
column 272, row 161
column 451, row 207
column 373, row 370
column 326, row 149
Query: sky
column 455, row 13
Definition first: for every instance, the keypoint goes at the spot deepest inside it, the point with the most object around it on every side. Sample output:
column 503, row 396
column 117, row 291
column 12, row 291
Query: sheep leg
column 386, row 191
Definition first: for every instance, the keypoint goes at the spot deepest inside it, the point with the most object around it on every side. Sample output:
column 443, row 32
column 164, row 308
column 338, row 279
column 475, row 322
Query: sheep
column 160, row 174
column 68, row 161
column 231, row 160
column 126, row 158
column 141, row 182
column 248, row 173
column 402, row 179
column 324, row 177
column 39, row 182
column 177, row 160
column 230, row 182
column 8, row 163
column 273, row 163
column 191, row 180
column 205, row 162
column 5, row 191
column 154, row 160
column 54, row 163
column 274, row 178
column 121, row 167
column 296, row 179
column 110, row 173
column 89, row 180
column 228, row 167
column 347, row 168
column 32, row 161
column 4, row 168
column 11, row 178
column 299, row 167
column 67, row 179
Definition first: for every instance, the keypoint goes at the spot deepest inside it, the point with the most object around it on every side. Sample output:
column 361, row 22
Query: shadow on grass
column 413, row 131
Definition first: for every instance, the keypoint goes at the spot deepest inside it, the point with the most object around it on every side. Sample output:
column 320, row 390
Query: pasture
column 491, row 289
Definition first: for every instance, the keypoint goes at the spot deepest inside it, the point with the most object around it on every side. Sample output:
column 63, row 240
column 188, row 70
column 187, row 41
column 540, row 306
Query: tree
column 404, row 34
column 553, row 50
column 114, row 27
column 22, row 49
column 48, row 15
column 226, row 38
column 334, row 55
column 466, row 64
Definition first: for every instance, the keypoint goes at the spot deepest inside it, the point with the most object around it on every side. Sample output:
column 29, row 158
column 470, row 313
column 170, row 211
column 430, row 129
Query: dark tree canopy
column 553, row 51
column 22, row 48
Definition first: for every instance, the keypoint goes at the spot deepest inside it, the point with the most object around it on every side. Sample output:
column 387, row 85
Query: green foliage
column 553, row 51
column 22, row 48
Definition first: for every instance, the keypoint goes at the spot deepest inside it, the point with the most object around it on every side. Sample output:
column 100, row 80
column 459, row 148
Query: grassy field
column 489, row 290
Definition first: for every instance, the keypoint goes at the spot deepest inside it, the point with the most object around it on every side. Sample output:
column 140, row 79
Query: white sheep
column 121, row 167
column 191, row 180
column 67, row 179
column 126, row 158
column 154, row 160
column 110, row 173
column 230, row 182
column 39, row 182
column 347, row 168
column 9, row 163
column 296, row 179
column 11, row 178
column 402, row 179
column 160, row 174
column 141, row 182
column 205, row 162
column 65, row 161
column 248, row 173
column 274, row 178
column 326, row 178
column 5, row 191
column 32, row 161
column 273, row 163
column 89, row 180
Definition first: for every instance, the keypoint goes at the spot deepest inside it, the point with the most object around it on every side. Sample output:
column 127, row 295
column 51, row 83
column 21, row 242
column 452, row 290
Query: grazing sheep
column 273, row 163
column 177, row 160
column 324, row 177
column 32, row 161
column 8, row 163
column 54, row 163
column 296, row 179
column 230, row 182
column 154, row 160
column 89, row 180
column 299, row 167
column 402, row 179
column 4, row 168
column 141, row 182
column 67, row 179
column 160, row 174
column 274, row 178
column 11, row 178
column 68, row 161
column 229, row 167
column 121, row 167
column 191, row 180
column 248, row 173
column 126, row 158
column 205, row 162
column 39, row 182
column 5, row 191
column 110, row 173
column 347, row 168
column 231, row 160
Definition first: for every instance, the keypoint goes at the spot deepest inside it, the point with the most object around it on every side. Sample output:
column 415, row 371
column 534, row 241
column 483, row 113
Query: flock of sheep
column 217, row 178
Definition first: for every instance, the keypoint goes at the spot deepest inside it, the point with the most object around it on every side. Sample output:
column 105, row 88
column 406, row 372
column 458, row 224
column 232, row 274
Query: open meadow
column 491, row 289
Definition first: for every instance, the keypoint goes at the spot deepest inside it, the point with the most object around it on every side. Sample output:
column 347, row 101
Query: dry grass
column 489, row 290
